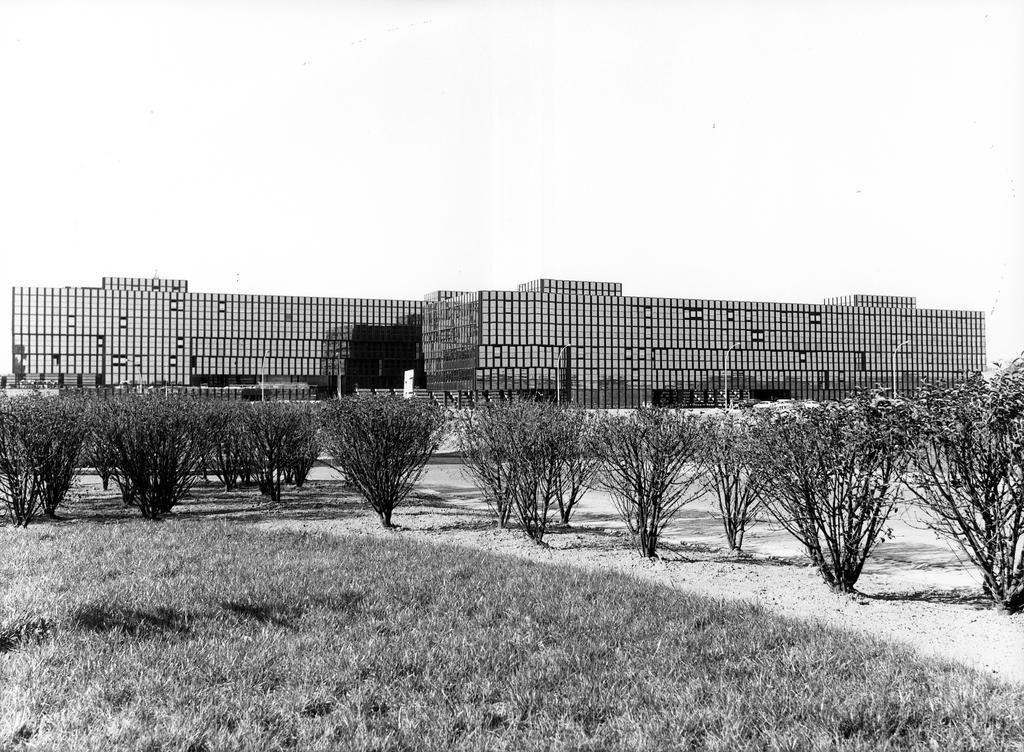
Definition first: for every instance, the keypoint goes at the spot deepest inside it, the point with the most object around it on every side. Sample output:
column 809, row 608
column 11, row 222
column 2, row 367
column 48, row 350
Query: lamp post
column 728, row 368
column 558, row 373
column 896, row 350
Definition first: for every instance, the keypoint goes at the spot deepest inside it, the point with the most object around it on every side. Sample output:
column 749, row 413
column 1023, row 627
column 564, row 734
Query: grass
column 206, row 635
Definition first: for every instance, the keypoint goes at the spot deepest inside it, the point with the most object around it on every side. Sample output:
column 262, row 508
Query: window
column 71, row 321
column 174, row 304
column 99, row 340
column 56, row 359
column 173, row 361
column 222, row 306
column 815, row 317
column 181, row 342
column 124, row 322
column 803, row 356
column 757, row 335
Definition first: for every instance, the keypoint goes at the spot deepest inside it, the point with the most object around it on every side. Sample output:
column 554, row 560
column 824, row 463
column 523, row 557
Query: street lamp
column 896, row 350
column 558, row 373
column 728, row 368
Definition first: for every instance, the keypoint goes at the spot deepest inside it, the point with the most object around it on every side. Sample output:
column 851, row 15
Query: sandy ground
column 915, row 590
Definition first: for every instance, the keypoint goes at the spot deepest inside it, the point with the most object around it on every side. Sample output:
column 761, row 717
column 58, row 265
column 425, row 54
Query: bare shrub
column 729, row 461
column 20, row 486
column 381, row 445
column 526, row 456
column 54, row 432
column 832, row 475
column 969, row 475
column 648, row 467
column 231, row 446
column 578, row 461
column 97, row 453
column 307, row 446
column 275, row 429
column 485, row 447
column 160, row 443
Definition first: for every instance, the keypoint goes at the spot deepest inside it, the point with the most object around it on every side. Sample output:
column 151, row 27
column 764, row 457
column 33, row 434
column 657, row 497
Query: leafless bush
column 648, row 467
column 231, row 447
column 306, row 449
column 485, row 445
column 381, row 445
column 832, row 474
column 526, row 456
column 97, row 454
column 160, row 444
column 54, row 432
column 20, row 486
column 577, row 458
column 969, row 475
column 729, row 462
column 275, row 430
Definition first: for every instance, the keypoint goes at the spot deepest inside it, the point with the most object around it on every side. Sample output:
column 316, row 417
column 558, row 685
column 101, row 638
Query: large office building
column 154, row 331
column 583, row 342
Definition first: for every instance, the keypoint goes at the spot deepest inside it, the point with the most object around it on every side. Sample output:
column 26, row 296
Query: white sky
column 747, row 150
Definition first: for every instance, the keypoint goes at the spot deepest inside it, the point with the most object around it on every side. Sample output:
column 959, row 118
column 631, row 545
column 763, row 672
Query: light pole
column 558, row 373
column 896, row 350
column 728, row 368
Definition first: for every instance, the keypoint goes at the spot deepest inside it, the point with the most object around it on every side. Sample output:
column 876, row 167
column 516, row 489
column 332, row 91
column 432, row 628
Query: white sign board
column 407, row 390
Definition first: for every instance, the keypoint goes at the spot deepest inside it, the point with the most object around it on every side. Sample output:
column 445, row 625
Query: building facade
column 154, row 331
column 583, row 342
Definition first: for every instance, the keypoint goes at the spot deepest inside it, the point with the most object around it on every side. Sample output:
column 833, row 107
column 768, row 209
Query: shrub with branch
column 832, row 475
column 21, row 487
column 969, row 475
column 578, row 461
column 485, row 446
column 160, row 444
column 54, row 434
column 231, row 448
column 307, row 446
column 526, row 456
column 97, row 454
column 729, row 461
column 275, row 430
column 649, row 469
column 381, row 445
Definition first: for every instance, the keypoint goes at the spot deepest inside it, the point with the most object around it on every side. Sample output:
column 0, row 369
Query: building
column 583, row 342
column 154, row 331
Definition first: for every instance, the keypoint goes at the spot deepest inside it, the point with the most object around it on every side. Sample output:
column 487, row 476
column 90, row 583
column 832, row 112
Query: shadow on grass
column 103, row 617
column 284, row 615
column 316, row 500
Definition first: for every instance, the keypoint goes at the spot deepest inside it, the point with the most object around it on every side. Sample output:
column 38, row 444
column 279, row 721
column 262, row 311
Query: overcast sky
column 746, row 150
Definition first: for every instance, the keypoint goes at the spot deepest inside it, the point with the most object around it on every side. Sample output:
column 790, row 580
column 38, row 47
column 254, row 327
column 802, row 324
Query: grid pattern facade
column 130, row 332
column 601, row 349
column 156, row 284
column 582, row 341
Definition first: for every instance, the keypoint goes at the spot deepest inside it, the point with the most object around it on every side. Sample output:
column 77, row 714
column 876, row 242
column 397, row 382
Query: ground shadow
column 104, row 617
column 280, row 614
column 974, row 598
